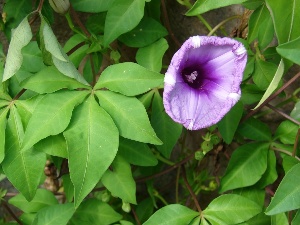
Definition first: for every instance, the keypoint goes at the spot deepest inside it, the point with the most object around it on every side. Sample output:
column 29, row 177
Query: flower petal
column 203, row 80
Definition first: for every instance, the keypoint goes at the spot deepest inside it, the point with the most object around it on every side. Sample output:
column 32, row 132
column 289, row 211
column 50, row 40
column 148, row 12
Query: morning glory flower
column 203, row 80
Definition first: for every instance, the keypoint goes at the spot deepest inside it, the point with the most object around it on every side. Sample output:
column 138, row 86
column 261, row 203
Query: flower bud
column 60, row 6
column 126, row 207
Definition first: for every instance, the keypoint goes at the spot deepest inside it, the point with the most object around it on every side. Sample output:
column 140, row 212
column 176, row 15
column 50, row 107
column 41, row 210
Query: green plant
column 95, row 117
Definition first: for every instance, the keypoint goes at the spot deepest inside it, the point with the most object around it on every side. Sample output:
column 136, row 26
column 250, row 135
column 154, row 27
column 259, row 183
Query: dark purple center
column 193, row 76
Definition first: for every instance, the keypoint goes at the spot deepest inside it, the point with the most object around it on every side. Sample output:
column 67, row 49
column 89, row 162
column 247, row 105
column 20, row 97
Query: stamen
column 191, row 77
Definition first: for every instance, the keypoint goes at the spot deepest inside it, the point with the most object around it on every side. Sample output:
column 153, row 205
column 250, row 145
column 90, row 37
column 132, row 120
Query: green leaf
column 231, row 209
column 77, row 56
column 255, row 195
column 287, row 195
column 287, row 132
column 92, row 140
column 279, row 219
column 20, row 38
column 122, row 16
column 259, row 219
column 255, row 130
column 95, row 212
column 129, row 79
column 274, row 83
column 59, row 57
column 246, row 166
column 290, row 50
column 51, row 116
column 136, row 153
column 202, row 6
column 259, row 16
column 151, row 56
column 23, row 168
column 288, row 162
column 166, row 129
column 263, row 73
column 144, row 209
column 173, row 214
column 3, row 114
column 296, row 111
column 68, row 187
column 42, row 199
column 229, row 123
column 147, row 32
column 146, row 99
column 58, row 214
column 270, row 176
column 129, row 116
column 15, row 11
column 286, row 18
column 250, row 94
column 91, row 6
column 296, row 219
column 265, row 33
column 53, row 145
column 32, row 58
column 49, row 80
column 119, row 181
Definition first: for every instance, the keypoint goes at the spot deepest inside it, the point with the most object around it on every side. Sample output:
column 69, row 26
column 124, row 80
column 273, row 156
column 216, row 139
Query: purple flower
column 203, row 80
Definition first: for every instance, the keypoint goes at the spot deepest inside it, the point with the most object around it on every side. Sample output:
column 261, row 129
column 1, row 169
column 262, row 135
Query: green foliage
column 84, row 136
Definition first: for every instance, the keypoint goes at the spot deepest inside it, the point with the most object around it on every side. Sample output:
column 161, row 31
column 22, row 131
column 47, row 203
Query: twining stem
column 78, row 21
column 285, row 152
column 296, row 143
column 143, row 179
column 11, row 212
column 135, row 216
column 162, row 159
column 271, row 97
column 222, row 23
column 283, row 114
column 157, row 195
column 167, row 23
column 177, row 185
column 189, row 6
column 190, row 189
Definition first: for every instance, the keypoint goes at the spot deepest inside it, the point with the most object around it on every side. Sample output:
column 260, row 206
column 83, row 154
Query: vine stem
column 222, row 23
column 78, row 21
column 11, row 213
column 135, row 216
column 143, row 179
column 190, row 189
column 271, row 97
column 296, row 143
column 285, row 152
column 168, row 26
column 283, row 114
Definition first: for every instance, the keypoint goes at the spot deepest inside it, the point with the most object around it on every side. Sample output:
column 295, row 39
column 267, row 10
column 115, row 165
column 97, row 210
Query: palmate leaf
column 58, row 214
column 129, row 116
column 231, row 209
column 246, row 166
column 20, row 38
column 119, row 181
column 129, row 79
column 92, row 140
column 95, row 212
column 287, row 195
column 23, row 168
column 122, row 16
column 51, row 116
column 174, row 214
